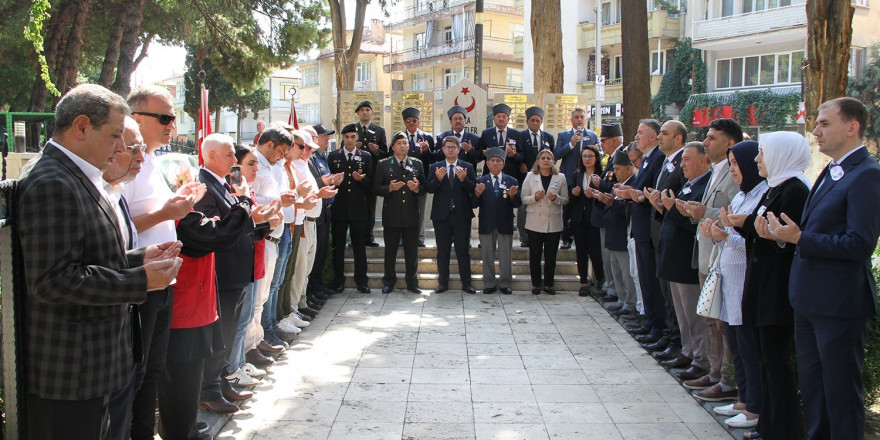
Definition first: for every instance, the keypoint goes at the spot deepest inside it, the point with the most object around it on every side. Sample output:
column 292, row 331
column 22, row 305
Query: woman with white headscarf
column 782, row 159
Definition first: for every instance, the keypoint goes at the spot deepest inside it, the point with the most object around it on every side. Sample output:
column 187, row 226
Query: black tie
column 458, row 135
column 124, row 205
column 495, row 184
column 228, row 188
column 501, row 138
column 535, row 140
column 349, row 157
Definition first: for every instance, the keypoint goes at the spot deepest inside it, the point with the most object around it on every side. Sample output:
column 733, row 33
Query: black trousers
column 652, row 297
column 447, row 231
column 179, row 398
column 588, row 244
column 50, row 419
column 567, row 227
column 155, row 324
column 316, row 276
column 371, row 215
column 780, row 406
column 214, row 379
column 410, row 254
column 358, row 246
column 741, row 340
column 672, row 329
column 120, row 407
column 546, row 244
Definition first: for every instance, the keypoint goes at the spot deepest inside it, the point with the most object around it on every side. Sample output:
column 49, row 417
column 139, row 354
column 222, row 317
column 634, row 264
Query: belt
column 311, row 219
column 273, row 240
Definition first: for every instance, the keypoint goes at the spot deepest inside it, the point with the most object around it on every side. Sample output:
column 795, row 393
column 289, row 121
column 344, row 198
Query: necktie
column 128, row 225
column 535, row 140
column 501, row 138
column 412, row 139
column 495, row 184
column 451, row 174
column 663, row 172
column 228, row 188
column 349, row 157
column 458, row 135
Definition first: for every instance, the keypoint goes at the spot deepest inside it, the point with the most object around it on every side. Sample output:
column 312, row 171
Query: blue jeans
column 236, row 353
column 285, row 246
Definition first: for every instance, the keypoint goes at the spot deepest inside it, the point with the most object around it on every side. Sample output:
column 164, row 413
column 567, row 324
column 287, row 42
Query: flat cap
column 495, row 152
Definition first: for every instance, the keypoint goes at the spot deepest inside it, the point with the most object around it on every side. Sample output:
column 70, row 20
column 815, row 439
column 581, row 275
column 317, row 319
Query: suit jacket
column 616, row 220
column 640, row 212
column 489, row 139
column 235, row 264
column 496, row 209
column 376, row 134
column 831, row 272
column 427, row 158
column 672, row 180
column 457, row 193
column 399, row 208
column 544, row 215
column 677, row 238
column 765, row 291
column 569, row 156
column 79, row 282
column 717, row 196
column 580, row 205
column 318, row 167
column 531, row 151
column 350, row 203
column 473, row 157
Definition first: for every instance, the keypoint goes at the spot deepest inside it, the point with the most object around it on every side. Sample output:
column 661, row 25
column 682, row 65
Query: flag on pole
column 204, row 122
column 292, row 119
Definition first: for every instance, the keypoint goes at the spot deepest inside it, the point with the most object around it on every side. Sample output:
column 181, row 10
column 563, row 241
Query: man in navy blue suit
column 452, row 183
column 831, row 287
column 421, row 147
column 496, row 194
column 534, row 140
column 569, row 145
column 468, row 151
column 505, row 137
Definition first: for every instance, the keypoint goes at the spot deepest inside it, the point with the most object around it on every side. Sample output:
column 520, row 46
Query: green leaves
column 867, row 89
column 33, row 32
column 687, row 66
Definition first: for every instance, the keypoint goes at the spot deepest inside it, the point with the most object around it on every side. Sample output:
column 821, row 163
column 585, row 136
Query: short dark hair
column 653, row 124
column 241, row 151
column 277, row 134
column 850, row 109
column 90, row 100
column 598, row 166
column 453, row 139
column 729, row 127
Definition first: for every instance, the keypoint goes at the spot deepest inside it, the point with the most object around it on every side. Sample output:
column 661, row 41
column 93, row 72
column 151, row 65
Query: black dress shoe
column 608, row 298
column 422, row 243
column 372, row 243
column 317, row 295
column 339, row 289
column 694, row 372
column 489, row 290
column 550, row 291
column 536, row 290
column 671, row 352
column 468, row 289
column 442, row 288
column 585, row 291
column 638, row 329
column 314, row 305
column 387, row 289
column 506, row 290
column 233, row 395
column 309, row 311
column 650, row 338
column 255, row 357
column 219, row 406
column 316, row 300
column 622, row 312
column 660, row 344
column 565, row 246
column 414, row 289
column 363, row 289
column 612, row 307
column 523, row 244
column 680, row 361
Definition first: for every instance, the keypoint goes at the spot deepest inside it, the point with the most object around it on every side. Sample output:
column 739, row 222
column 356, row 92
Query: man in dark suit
column 505, row 137
column 452, row 183
column 534, row 140
column 371, row 139
column 831, row 287
column 569, row 145
column 79, row 279
column 320, row 168
column 677, row 235
column 399, row 180
column 421, row 147
column 496, row 194
column 350, row 207
column 458, row 116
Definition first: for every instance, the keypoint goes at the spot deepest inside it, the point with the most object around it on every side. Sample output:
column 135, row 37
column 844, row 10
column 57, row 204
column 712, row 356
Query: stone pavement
column 459, row 366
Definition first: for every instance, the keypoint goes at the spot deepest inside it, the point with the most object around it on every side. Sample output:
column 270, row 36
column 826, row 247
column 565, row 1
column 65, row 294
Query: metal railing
column 492, row 47
column 425, row 9
column 764, row 21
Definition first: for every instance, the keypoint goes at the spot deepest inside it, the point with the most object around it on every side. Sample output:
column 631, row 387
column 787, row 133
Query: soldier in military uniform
column 398, row 180
column 421, row 146
column 371, row 139
column 350, row 206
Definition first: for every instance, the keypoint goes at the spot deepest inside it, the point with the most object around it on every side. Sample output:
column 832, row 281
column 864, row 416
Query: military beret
column 398, row 135
column 362, row 105
column 350, row 128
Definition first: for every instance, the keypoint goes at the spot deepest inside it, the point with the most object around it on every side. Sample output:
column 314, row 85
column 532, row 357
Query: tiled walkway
column 453, row 366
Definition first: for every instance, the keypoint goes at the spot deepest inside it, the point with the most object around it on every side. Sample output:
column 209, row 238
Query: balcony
column 614, row 89
column 455, row 50
column 424, row 10
column 660, row 25
column 750, row 24
column 518, row 48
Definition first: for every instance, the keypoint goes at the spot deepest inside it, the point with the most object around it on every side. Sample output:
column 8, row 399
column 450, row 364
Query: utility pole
column 600, row 79
column 478, row 44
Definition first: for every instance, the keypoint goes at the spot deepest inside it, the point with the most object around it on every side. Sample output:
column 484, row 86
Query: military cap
column 620, row 157
column 410, row 112
column 456, row 109
column 501, row 108
column 350, row 128
column 362, row 105
column 534, row 110
column 611, row 130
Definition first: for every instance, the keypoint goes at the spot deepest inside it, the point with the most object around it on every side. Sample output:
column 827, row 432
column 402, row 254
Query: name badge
column 554, row 186
column 686, row 191
column 645, row 164
column 547, row 144
column 761, row 210
column 502, row 186
column 358, row 159
column 836, row 173
column 512, row 141
column 371, row 131
column 670, row 167
column 408, row 168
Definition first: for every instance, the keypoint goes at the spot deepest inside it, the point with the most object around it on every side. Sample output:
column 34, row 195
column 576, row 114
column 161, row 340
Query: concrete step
column 430, row 251
column 429, row 265
column 429, row 281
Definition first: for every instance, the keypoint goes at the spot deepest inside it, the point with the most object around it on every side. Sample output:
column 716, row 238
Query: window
column 363, row 71
column 517, row 30
column 722, row 74
column 606, row 13
column 618, row 68
column 454, row 75
column 311, row 113
column 752, row 66
column 783, row 67
column 420, row 81
column 285, row 91
column 856, row 62
column 447, row 34
column 769, row 69
column 309, row 76
column 727, row 7
column 419, row 40
column 863, row 3
column 514, row 77
column 658, row 63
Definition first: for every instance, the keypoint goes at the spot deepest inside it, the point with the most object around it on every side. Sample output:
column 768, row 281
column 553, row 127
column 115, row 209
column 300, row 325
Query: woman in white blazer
column 544, row 192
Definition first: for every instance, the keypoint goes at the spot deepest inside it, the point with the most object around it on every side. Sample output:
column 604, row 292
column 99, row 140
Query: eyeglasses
column 135, row 149
column 163, row 119
column 450, row 146
column 589, row 156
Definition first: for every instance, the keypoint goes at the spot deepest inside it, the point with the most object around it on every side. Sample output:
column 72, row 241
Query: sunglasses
column 301, row 146
column 163, row 119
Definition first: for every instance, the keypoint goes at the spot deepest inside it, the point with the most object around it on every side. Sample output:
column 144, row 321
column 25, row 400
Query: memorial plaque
column 424, row 101
column 558, row 107
column 473, row 98
column 518, row 103
column 350, row 100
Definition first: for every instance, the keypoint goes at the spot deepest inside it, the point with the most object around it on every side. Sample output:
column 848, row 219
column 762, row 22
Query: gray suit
column 718, row 195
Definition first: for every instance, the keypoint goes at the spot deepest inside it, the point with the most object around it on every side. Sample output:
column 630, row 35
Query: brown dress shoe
column 694, row 372
column 679, row 361
column 269, row 349
column 716, row 394
column 255, row 357
column 219, row 406
column 699, row 384
column 233, row 395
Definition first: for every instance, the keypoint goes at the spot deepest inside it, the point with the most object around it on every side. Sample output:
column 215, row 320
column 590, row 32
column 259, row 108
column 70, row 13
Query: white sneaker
column 253, row 371
column 727, row 410
column 297, row 321
column 289, row 327
column 740, row 421
column 242, row 379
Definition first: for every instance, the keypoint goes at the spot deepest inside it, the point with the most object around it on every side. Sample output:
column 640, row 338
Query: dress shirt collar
column 261, row 160
column 842, row 158
column 692, row 181
column 717, row 167
column 451, row 164
column 95, row 175
column 219, row 179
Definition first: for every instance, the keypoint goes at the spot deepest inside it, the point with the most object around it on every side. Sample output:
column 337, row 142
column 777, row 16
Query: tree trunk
column 547, row 47
column 53, row 37
column 143, row 53
column 111, row 56
column 826, row 70
column 636, row 74
column 69, row 66
column 345, row 53
column 132, row 19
